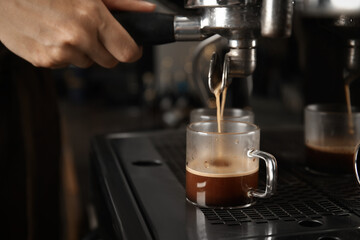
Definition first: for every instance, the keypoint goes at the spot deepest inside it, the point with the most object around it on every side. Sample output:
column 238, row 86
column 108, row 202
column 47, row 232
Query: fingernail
column 149, row 4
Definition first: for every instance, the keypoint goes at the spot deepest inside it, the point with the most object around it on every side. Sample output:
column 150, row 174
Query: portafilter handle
column 147, row 28
column 159, row 28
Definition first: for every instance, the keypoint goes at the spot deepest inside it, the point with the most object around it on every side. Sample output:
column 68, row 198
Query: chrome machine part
column 244, row 21
column 276, row 18
column 352, row 60
column 211, row 3
column 352, row 55
column 239, row 21
column 215, row 78
column 241, row 57
column 196, row 76
column 240, row 25
column 187, row 28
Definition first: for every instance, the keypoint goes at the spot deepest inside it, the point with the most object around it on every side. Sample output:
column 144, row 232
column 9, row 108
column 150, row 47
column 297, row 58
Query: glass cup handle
column 356, row 163
column 271, row 174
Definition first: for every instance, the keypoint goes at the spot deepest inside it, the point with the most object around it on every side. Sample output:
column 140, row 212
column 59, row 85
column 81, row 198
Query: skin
column 57, row 33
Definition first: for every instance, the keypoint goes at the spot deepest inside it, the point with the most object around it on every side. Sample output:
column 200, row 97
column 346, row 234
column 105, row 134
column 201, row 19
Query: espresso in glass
column 331, row 135
column 222, row 167
column 333, row 160
column 220, row 189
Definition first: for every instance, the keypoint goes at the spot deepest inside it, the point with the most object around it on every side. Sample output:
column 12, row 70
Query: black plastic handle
column 148, row 28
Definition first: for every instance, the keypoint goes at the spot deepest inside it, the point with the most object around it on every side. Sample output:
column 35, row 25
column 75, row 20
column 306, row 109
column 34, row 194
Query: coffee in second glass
column 331, row 135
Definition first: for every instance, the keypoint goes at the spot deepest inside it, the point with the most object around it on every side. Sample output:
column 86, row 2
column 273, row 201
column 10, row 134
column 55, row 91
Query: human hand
column 57, row 33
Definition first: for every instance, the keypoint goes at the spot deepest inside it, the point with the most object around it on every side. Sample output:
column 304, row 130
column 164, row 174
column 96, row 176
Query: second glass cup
column 222, row 168
column 331, row 135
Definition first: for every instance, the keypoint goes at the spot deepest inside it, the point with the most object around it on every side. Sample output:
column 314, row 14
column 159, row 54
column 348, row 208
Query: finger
column 102, row 56
column 118, row 41
column 55, row 57
column 58, row 57
column 91, row 45
column 130, row 5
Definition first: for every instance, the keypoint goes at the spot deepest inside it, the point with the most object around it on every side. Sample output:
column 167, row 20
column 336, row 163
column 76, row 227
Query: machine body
column 243, row 22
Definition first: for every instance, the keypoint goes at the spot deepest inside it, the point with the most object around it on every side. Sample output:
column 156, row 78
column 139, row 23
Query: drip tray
column 142, row 179
column 302, row 198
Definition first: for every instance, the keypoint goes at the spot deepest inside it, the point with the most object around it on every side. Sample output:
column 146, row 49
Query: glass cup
column 233, row 114
column 357, row 162
column 331, row 136
column 222, row 168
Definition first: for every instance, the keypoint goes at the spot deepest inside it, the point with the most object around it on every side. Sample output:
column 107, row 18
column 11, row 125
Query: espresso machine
column 138, row 179
column 241, row 23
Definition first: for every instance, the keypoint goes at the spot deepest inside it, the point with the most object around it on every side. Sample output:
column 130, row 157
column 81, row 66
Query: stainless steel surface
column 352, row 55
column 240, row 25
column 234, row 65
column 276, row 18
column 242, row 62
column 187, row 28
column 235, row 22
column 244, row 21
column 242, row 43
column 212, row 3
column 196, row 77
column 215, row 77
column 351, row 70
column 239, row 22
column 225, row 73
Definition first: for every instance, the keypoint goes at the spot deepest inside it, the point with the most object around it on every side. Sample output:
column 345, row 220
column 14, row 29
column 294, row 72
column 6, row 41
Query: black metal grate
column 294, row 201
column 264, row 213
column 342, row 190
column 300, row 195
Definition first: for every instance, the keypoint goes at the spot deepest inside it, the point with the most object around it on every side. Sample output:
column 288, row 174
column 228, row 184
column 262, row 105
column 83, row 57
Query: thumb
column 130, row 5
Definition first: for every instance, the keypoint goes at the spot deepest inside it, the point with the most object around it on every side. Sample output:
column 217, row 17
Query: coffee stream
column 217, row 94
column 223, row 100
column 348, row 105
column 220, row 105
